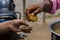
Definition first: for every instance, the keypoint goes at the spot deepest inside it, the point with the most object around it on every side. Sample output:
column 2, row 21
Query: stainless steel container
column 54, row 24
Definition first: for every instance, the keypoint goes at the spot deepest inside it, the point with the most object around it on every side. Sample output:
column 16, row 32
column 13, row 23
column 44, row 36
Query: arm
column 4, row 27
column 45, row 6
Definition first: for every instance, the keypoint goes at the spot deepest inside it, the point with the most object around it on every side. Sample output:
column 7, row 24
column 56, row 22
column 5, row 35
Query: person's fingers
column 36, row 11
column 19, row 22
column 23, row 23
column 14, row 28
column 31, row 8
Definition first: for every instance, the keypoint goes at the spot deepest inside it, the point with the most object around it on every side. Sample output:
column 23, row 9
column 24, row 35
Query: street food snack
column 32, row 18
column 25, row 29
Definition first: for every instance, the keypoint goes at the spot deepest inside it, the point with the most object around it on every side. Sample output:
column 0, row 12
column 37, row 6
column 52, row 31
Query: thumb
column 23, row 23
column 19, row 22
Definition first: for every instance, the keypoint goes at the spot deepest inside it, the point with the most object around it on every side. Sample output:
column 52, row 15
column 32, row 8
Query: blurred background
column 41, row 27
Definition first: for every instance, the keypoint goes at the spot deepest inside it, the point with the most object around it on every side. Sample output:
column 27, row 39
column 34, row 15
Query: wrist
column 47, row 6
column 6, row 25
